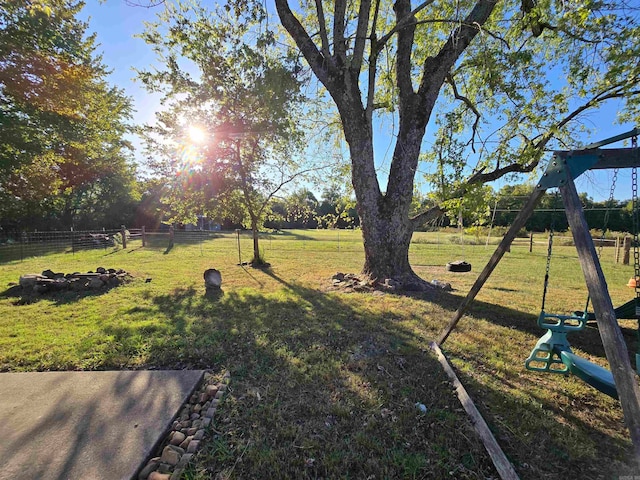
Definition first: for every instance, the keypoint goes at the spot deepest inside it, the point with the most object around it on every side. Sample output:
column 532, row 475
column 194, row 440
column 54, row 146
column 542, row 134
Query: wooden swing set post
column 559, row 175
column 612, row 339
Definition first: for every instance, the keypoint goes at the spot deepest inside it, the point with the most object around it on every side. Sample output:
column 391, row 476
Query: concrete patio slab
column 86, row 425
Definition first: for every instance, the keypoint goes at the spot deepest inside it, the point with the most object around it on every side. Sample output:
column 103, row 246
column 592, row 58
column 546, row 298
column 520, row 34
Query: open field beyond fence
column 325, row 383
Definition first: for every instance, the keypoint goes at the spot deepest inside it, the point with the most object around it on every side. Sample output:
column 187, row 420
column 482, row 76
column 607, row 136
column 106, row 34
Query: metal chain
column 549, row 251
column 546, row 275
column 634, row 215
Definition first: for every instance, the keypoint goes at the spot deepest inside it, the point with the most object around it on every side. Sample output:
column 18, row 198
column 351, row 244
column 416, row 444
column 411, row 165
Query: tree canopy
column 505, row 80
column 62, row 126
column 229, row 136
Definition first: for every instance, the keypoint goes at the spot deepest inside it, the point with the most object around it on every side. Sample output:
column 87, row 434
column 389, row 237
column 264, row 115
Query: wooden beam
column 612, row 339
column 609, row 158
column 503, row 247
column 499, row 459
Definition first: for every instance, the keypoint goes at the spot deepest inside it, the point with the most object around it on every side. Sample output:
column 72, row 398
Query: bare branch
column 404, row 22
column 458, row 41
column 339, row 44
column 469, row 105
column 373, row 63
column 403, row 55
column 426, row 216
column 567, row 32
column 535, row 148
column 319, row 63
column 323, row 29
column 361, row 34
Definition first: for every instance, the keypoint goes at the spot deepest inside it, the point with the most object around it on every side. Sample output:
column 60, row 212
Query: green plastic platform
column 598, row 377
column 626, row 311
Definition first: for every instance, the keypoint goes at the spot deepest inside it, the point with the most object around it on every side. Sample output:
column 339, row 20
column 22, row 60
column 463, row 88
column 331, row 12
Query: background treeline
column 111, row 201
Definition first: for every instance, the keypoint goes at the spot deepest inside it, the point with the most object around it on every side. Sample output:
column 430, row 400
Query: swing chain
column 546, row 275
column 607, row 212
column 634, row 215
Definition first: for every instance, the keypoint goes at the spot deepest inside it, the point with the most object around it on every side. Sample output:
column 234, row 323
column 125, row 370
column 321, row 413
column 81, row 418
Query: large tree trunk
column 384, row 219
column 386, row 227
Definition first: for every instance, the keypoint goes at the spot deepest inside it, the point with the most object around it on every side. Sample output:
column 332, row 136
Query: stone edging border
column 187, row 431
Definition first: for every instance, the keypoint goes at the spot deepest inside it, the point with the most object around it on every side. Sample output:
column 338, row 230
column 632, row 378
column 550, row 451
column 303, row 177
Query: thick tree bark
column 384, row 219
column 386, row 226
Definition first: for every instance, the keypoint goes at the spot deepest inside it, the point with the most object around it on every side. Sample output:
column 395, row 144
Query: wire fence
column 32, row 244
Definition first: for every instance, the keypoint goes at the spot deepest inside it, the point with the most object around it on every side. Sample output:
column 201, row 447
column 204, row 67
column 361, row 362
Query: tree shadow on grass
column 319, row 388
column 324, row 385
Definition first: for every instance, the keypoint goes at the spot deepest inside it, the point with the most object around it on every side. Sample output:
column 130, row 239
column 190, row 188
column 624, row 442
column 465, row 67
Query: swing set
column 553, row 353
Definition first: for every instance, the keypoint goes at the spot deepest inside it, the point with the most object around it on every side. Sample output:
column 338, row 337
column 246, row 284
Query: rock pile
column 187, row 431
column 49, row 281
column 351, row 282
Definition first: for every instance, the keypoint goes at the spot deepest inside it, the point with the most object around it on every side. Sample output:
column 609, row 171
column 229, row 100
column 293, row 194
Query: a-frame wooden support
column 559, row 174
column 612, row 339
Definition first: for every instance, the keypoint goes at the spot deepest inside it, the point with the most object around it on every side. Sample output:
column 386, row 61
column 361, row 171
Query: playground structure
column 552, row 353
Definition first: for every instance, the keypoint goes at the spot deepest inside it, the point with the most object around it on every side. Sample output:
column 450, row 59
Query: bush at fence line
column 466, row 240
column 608, row 235
column 90, row 240
column 117, row 238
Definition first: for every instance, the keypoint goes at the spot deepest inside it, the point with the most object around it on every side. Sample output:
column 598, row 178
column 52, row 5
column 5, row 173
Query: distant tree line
column 141, row 203
column 615, row 215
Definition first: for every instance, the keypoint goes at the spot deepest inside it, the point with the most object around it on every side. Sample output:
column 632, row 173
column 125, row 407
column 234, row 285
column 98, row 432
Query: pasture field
column 324, row 383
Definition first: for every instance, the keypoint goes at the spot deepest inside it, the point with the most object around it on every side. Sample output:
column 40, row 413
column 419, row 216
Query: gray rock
column 170, row 456
column 177, row 449
column 29, row 280
column 177, row 438
column 49, row 274
column 185, row 443
column 193, row 446
column 159, row 476
column 151, row 466
column 211, row 390
column 95, row 284
column 185, row 459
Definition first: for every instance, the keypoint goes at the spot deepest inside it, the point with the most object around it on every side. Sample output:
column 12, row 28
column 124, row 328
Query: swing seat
column 562, row 323
column 545, row 356
column 598, row 377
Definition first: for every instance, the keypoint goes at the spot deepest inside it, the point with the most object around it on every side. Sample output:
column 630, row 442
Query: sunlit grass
column 324, row 384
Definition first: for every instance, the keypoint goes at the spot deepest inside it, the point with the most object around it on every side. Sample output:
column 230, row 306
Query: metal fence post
column 144, row 237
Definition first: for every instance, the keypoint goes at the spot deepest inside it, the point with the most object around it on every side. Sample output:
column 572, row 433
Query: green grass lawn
column 324, row 383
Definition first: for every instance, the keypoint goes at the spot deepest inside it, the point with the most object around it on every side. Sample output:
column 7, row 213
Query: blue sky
column 115, row 23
